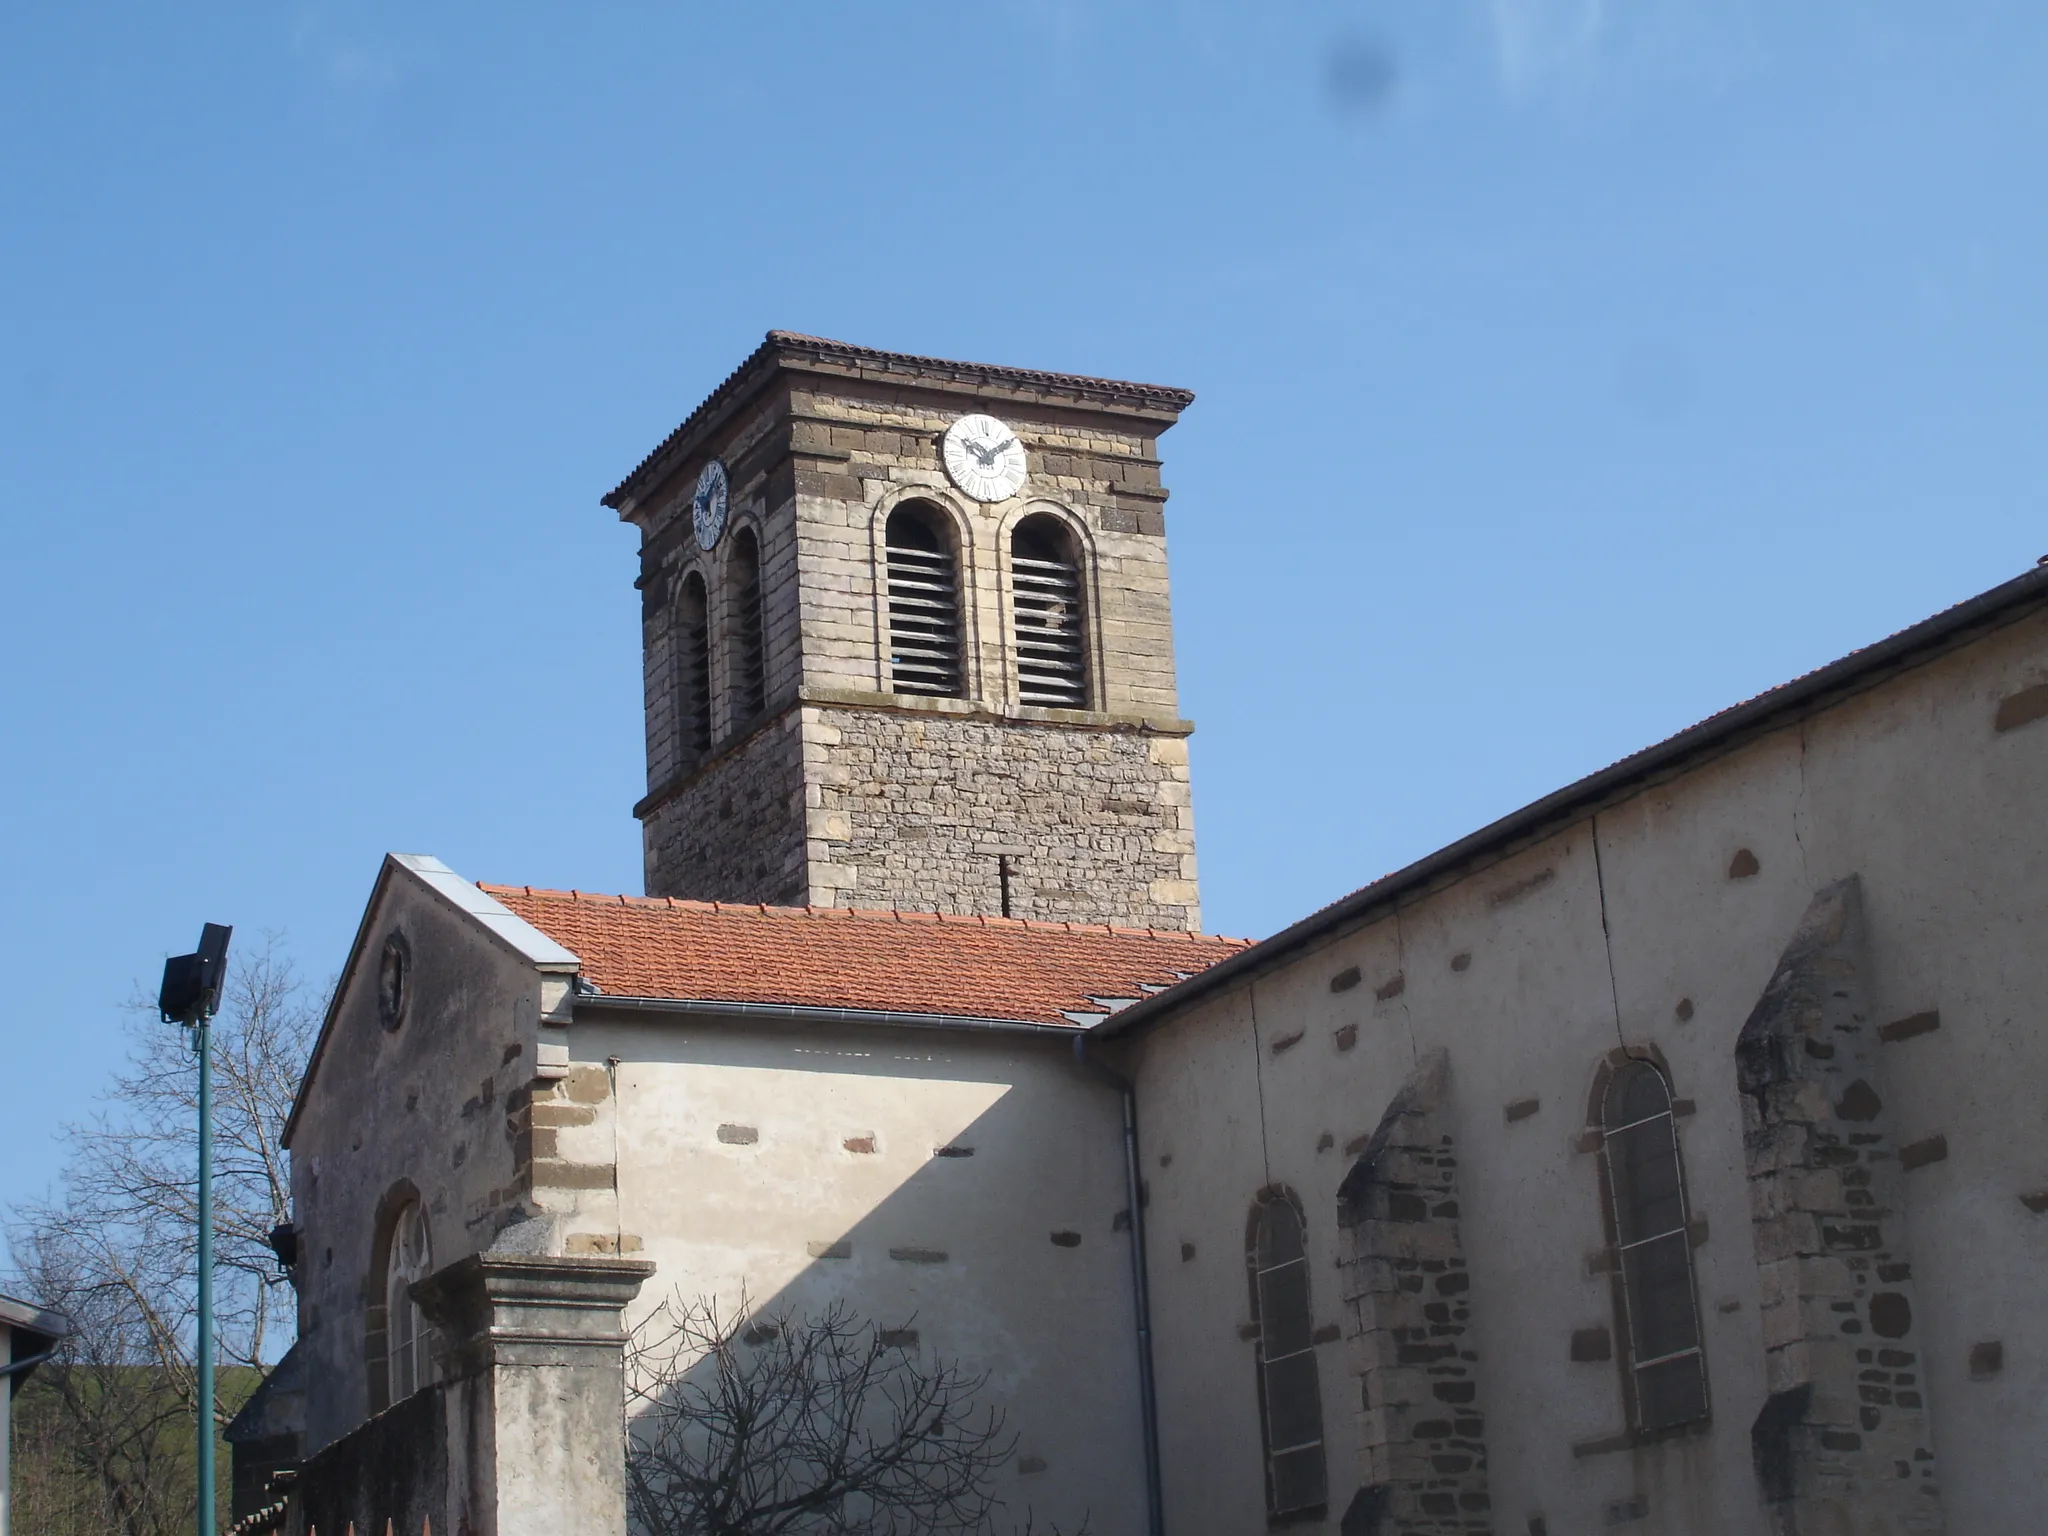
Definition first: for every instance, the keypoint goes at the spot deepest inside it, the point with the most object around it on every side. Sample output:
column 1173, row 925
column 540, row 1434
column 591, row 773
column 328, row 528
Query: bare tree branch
column 116, row 1250
column 750, row 1424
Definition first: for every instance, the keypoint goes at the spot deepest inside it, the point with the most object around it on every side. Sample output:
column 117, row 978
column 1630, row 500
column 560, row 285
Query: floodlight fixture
column 191, row 988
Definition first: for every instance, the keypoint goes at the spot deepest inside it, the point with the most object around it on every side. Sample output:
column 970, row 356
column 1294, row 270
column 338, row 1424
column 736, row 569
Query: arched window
column 1665, row 1371
column 924, row 604
column 1290, row 1394
column 693, row 671
column 406, row 1332
column 1045, row 579
column 746, row 666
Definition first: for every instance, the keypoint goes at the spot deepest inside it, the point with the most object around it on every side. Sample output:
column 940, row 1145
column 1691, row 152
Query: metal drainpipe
column 1141, row 1291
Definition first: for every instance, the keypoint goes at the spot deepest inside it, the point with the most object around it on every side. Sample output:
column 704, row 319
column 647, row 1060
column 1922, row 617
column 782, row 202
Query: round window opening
column 394, row 981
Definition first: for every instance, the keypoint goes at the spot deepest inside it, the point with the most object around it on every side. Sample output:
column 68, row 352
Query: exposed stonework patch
column 918, row 1255
column 1422, row 1434
column 1462, row 961
column 1684, row 1010
column 738, row 1135
column 862, row 1145
column 1521, row 888
column 1288, row 1042
column 842, row 1249
column 1347, row 1037
column 2022, row 708
column 1345, row 979
column 1907, row 1028
column 1066, row 1239
column 1831, row 1248
column 1918, row 1154
column 1986, row 1359
column 1391, row 988
column 1520, row 1109
column 1743, row 865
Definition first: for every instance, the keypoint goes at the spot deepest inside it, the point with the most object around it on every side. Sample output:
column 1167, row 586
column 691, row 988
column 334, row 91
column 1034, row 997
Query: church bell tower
column 907, row 642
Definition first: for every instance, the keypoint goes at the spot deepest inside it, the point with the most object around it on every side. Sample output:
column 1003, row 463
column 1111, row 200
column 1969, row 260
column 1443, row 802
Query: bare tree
column 115, row 1250
column 753, row 1424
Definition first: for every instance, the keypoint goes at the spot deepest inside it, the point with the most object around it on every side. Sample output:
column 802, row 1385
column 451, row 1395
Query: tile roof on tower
column 901, row 962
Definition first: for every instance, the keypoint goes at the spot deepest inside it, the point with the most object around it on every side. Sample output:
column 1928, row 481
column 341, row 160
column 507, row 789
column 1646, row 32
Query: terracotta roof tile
column 913, row 962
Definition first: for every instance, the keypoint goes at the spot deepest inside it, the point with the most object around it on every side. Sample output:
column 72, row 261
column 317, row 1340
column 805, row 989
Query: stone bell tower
column 907, row 642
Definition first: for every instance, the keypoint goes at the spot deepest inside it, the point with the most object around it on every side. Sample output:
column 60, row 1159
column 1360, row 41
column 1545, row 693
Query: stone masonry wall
column 735, row 831
column 859, row 455
column 903, row 801
column 1843, row 1442
column 915, row 810
column 1422, row 1462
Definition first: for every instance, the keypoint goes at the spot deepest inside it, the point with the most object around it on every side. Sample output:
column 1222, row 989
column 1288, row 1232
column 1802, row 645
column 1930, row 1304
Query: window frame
column 1271, row 1199
column 745, row 631
column 408, row 1355
column 1627, row 1303
column 933, row 518
column 1076, row 550
column 691, row 750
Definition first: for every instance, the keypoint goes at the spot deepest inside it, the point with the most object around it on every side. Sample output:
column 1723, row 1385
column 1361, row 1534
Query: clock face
column 984, row 458
column 707, row 507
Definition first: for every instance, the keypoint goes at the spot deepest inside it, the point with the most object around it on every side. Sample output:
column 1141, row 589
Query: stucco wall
column 1653, row 926
column 439, row 1103
column 967, row 1187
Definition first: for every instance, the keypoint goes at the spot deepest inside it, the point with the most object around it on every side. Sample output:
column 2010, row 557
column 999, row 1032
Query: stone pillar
column 1843, row 1442
column 1423, row 1450
column 531, row 1352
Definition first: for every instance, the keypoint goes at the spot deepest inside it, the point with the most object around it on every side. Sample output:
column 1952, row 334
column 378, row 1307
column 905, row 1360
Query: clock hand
column 994, row 452
column 987, row 457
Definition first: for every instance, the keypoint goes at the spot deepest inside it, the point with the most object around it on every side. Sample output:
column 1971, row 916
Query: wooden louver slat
column 693, row 676
column 1051, row 652
column 924, row 622
column 748, row 663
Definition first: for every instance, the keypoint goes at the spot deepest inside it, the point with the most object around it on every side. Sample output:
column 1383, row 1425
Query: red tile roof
column 909, row 962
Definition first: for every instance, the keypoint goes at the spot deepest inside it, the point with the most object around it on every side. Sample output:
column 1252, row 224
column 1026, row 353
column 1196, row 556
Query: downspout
column 1141, row 1291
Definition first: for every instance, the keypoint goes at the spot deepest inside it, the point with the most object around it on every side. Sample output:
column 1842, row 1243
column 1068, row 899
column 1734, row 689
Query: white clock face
column 707, row 507
column 984, row 458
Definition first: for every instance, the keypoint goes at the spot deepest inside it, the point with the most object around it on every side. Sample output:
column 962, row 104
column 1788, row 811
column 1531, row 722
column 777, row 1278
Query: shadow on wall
column 963, row 1196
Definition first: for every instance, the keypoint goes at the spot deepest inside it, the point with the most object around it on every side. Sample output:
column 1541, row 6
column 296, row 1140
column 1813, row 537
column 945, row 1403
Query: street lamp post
column 189, row 997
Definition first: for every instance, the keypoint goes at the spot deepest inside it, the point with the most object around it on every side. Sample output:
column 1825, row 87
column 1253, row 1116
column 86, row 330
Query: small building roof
column 839, row 958
column 32, row 1331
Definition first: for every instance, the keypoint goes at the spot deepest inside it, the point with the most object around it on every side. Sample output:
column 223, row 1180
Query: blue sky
column 1567, row 370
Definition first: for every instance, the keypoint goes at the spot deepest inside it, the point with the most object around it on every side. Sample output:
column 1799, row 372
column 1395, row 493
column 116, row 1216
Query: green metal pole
column 202, row 1043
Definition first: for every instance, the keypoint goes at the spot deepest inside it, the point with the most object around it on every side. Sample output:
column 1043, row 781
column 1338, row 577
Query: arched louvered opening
column 746, row 670
column 1290, row 1390
column 924, row 604
column 693, row 670
column 1667, row 1373
column 1052, row 647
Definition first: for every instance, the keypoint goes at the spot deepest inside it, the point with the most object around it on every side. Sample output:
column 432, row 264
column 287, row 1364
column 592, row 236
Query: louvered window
column 693, row 671
column 1290, row 1392
column 1045, row 578
column 746, row 666
column 1646, row 1190
column 924, row 606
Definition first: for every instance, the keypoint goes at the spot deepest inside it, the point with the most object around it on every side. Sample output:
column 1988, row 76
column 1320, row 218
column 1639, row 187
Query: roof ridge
column 869, row 914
